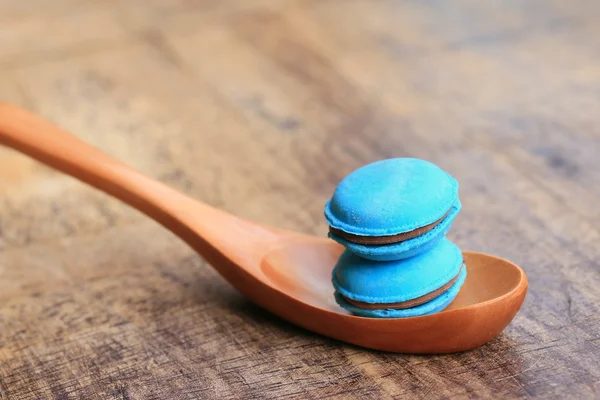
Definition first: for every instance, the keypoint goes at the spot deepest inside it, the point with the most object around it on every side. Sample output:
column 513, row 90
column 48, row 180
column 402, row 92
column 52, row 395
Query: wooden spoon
column 284, row 272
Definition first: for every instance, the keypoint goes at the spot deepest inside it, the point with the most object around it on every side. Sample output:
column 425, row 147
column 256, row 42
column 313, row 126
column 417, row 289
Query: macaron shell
column 397, row 281
column 405, row 249
column 436, row 305
column 390, row 197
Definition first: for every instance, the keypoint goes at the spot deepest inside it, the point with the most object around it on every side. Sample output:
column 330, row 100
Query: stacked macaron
column 392, row 216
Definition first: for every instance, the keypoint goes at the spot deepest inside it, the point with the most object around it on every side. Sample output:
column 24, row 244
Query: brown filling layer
column 378, row 240
column 405, row 304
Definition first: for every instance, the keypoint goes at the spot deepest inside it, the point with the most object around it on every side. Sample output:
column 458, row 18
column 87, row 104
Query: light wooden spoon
column 284, row 272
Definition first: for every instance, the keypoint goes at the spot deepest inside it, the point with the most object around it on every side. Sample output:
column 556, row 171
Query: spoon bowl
column 284, row 272
column 489, row 299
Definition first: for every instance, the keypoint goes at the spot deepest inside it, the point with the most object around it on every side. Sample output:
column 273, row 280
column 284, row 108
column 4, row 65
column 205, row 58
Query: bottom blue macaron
column 436, row 305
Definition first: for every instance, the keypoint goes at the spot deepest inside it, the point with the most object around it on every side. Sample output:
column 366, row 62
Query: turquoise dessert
column 420, row 285
column 393, row 209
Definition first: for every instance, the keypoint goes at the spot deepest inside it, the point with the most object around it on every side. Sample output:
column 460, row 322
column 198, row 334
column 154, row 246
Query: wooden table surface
column 260, row 107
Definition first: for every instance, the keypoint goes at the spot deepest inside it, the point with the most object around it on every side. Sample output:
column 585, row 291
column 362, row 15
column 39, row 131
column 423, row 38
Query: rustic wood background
column 260, row 107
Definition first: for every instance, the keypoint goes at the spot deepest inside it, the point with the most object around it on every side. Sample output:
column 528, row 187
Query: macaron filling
column 402, row 305
column 388, row 239
column 406, row 248
column 438, row 304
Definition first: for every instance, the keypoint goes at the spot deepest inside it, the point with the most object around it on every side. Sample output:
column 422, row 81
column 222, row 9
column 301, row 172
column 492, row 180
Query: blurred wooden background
column 260, row 107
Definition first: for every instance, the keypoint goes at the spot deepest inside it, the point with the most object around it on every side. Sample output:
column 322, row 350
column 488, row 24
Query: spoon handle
column 40, row 139
column 203, row 227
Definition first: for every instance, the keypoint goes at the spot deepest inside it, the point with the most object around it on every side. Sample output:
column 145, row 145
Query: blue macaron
column 393, row 209
column 419, row 285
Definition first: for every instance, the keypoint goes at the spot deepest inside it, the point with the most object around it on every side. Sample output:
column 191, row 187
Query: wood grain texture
column 98, row 302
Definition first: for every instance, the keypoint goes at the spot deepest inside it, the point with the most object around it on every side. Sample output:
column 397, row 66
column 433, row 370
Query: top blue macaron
column 391, row 197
